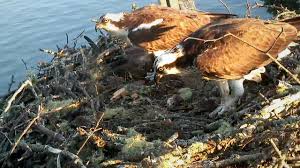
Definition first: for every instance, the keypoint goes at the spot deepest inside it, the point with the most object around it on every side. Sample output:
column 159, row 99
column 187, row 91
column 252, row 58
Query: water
column 26, row 26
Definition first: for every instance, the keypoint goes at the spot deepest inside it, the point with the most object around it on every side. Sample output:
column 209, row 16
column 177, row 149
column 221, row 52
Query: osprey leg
column 231, row 91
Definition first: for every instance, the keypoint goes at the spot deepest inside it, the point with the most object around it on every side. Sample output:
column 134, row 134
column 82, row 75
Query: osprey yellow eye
column 105, row 20
column 161, row 69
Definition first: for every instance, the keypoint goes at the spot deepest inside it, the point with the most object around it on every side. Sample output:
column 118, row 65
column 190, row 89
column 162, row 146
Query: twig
column 69, row 106
column 102, row 56
column 92, row 44
column 25, row 64
column 60, row 53
column 67, row 91
column 50, row 133
column 12, row 81
column 282, row 158
column 172, row 138
column 47, row 148
column 248, row 6
column 25, row 84
column 259, row 5
column 225, row 5
column 91, row 133
column 67, row 36
column 264, row 97
column 6, row 137
column 284, row 13
column 277, row 62
column 26, row 129
column 226, row 162
column 286, row 70
column 58, row 48
column 58, row 161
column 80, row 35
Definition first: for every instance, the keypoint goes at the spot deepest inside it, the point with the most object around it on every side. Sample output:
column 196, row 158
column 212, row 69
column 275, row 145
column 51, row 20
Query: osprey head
column 109, row 22
column 165, row 62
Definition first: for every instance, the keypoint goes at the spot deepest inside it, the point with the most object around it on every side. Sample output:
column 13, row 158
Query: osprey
column 155, row 28
column 232, row 50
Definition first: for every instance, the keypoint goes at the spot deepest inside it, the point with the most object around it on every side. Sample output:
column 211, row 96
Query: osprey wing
column 159, row 28
column 241, row 46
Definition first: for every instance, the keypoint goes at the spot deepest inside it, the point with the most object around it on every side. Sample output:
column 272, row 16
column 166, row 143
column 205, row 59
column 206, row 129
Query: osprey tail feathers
column 221, row 15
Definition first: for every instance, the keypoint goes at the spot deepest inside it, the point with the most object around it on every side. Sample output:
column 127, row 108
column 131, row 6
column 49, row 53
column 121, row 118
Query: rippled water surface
column 27, row 25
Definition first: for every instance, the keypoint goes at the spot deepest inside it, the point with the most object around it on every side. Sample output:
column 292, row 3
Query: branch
column 26, row 129
column 225, row 5
column 227, row 162
column 282, row 158
column 95, row 129
column 50, row 133
column 23, row 86
column 47, row 148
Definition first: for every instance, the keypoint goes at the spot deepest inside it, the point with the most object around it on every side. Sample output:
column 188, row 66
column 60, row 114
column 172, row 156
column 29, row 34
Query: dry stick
column 59, row 109
column 284, row 13
column 277, row 62
column 91, row 134
column 51, row 134
column 49, row 52
column 6, row 137
column 58, row 161
column 231, row 161
column 12, row 81
column 25, row 64
column 172, row 139
column 264, row 97
column 282, row 158
column 25, row 84
column 47, row 148
column 286, row 70
column 267, row 52
column 26, row 129
column 224, row 4
column 260, row 5
column 67, row 36
column 248, row 6
column 80, row 35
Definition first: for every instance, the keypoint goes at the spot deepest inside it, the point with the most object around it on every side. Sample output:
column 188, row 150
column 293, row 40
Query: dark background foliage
column 290, row 4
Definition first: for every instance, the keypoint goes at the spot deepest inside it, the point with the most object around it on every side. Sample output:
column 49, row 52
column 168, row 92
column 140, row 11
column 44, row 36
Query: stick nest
column 77, row 111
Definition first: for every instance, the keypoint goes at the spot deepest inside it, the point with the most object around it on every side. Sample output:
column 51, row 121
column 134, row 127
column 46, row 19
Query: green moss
column 224, row 129
column 185, row 93
column 118, row 112
column 136, row 148
column 196, row 148
column 51, row 105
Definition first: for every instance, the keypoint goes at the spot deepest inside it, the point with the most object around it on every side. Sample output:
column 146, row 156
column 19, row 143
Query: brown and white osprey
column 156, row 28
column 232, row 50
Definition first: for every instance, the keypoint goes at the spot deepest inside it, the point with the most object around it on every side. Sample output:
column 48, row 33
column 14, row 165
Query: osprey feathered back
column 229, row 50
column 156, row 28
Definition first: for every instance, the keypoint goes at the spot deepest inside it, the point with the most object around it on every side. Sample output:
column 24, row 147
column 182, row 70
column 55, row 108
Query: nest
column 78, row 111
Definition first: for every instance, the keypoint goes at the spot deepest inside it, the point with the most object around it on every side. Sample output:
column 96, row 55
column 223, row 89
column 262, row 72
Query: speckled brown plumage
column 175, row 27
column 137, row 63
column 231, row 58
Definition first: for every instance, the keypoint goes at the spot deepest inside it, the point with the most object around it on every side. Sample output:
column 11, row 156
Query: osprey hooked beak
column 154, row 76
column 160, row 72
column 96, row 21
column 100, row 23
